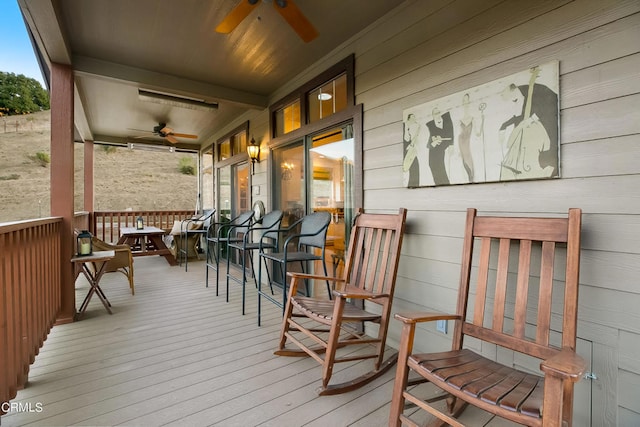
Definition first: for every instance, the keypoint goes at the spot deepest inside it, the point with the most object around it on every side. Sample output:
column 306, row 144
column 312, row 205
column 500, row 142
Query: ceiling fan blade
column 166, row 130
column 236, row 16
column 296, row 19
column 171, row 139
column 184, row 135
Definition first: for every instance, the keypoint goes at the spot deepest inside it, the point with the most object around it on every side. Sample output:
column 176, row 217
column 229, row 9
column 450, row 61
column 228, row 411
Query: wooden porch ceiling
column 117, row 47
column 176, row 354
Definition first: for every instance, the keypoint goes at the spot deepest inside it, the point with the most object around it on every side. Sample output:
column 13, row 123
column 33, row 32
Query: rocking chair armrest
column 418, row 317
column 353, row 292
column 567, row 365
column 296, row 277
column 313, row 277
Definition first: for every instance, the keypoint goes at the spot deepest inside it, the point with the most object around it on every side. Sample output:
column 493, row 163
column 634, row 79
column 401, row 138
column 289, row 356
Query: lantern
column 253, row 150
column 84, row 244
column 139, row 223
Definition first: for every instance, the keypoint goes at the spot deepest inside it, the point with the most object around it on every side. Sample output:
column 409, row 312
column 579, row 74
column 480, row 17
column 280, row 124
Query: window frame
column 353, row 114
column 346, row 66
column 235, row 157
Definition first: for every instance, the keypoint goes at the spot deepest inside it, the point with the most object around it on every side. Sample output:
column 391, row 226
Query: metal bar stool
column 312, row 235
column 251, row 242
column 218, row 235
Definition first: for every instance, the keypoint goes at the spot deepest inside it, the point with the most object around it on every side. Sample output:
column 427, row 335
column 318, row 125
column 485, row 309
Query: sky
column 16, row 53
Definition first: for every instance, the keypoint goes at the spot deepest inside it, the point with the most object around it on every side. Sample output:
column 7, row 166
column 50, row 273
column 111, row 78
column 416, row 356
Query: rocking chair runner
column 369, row 276
column 499, row 313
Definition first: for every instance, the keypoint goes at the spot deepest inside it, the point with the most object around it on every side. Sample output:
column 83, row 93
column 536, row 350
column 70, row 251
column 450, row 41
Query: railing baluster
column 30, row 289
column 115, row 220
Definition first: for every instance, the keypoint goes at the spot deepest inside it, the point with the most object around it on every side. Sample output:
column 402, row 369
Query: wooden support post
column 62, row 180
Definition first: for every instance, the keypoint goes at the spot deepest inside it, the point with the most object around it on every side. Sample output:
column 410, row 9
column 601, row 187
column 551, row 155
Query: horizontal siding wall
column 428, row 49
column 425, row 50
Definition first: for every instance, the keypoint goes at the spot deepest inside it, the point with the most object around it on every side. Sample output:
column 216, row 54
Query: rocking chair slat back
column 372, row 263
column 369, row 278
column 517, row 294
column 528, row 237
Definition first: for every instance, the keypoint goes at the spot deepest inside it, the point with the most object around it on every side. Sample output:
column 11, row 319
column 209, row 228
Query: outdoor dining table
column 146, row 241
column 93, row 267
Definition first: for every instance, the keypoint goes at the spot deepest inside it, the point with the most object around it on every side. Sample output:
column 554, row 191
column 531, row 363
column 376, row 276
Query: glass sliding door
column 233, row 193
column 233, row 190
column 224, row 193
column 289, row 182
column 331, row 189
column 317, row 175
column 242, row 202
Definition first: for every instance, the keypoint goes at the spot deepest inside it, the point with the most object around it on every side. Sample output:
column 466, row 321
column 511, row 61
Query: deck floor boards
column 177, row 354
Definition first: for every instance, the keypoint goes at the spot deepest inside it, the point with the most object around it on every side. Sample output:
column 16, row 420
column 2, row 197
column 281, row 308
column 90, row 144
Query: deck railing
column 30, row 262
column 30, row 287
column 106, row 224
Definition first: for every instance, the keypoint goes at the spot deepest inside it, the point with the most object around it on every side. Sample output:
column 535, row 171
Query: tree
column 21, row 95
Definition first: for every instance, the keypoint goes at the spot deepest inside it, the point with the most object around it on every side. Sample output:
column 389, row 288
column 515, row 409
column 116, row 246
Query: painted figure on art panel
column 504, row 130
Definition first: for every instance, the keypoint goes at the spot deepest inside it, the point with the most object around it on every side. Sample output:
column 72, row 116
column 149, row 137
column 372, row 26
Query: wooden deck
column 175, row 354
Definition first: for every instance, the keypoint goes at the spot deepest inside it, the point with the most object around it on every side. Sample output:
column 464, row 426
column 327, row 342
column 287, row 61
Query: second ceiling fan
column 286, row 8
column 167, row 133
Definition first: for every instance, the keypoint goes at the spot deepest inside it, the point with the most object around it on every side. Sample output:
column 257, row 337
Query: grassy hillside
column 123, row 178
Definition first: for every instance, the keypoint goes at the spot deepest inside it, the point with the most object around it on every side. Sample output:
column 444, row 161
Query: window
column 232, row 173
column 287, row 118
column 328, row 99
column 318, row 167
column 234, row 143
column 327, row 94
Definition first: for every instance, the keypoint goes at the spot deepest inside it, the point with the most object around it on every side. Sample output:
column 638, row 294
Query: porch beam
column 62, row 188
column 138, row 77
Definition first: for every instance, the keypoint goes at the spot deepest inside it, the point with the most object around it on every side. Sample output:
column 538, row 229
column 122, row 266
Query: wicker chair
column 122, row 262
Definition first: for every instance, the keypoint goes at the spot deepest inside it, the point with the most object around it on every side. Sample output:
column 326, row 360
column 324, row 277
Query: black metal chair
column 250, row 242
column 312, row 236
column 191, row 236
column 220, row 234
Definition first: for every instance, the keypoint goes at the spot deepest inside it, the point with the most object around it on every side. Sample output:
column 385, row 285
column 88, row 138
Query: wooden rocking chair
column 501, row 310
column 370, row 271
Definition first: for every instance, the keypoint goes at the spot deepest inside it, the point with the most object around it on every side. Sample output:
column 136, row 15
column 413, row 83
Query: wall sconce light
column 253, row 150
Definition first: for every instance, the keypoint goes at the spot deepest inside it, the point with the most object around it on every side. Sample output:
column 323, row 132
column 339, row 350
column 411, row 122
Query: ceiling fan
column 286, row 8
column 167, row 133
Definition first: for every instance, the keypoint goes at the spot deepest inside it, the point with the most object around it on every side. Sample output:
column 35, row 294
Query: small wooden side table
column 93, row 267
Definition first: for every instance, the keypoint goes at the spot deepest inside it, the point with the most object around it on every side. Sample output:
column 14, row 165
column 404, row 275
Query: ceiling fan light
column 323, row 96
